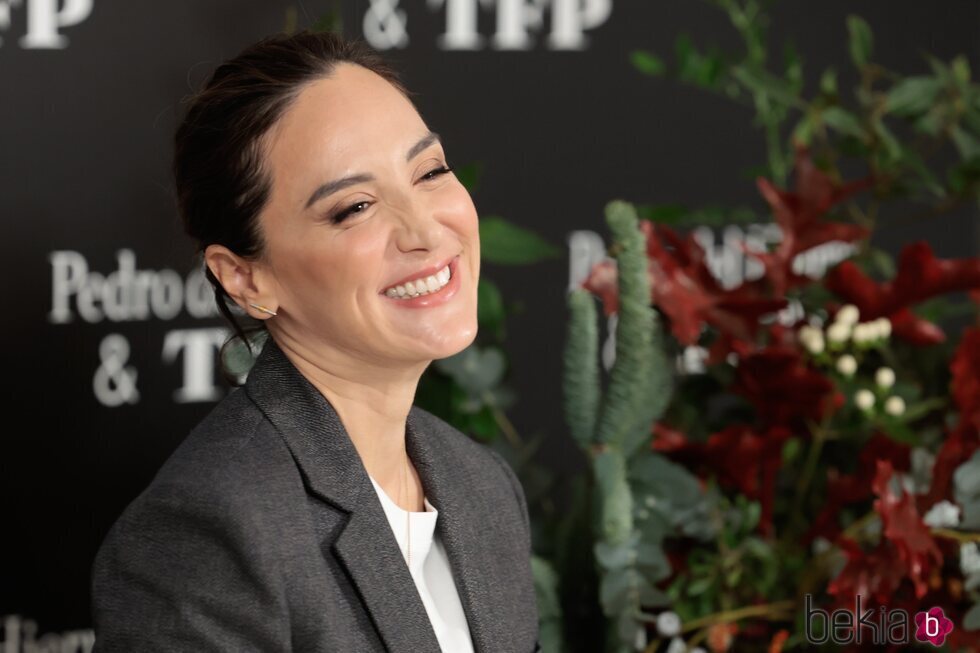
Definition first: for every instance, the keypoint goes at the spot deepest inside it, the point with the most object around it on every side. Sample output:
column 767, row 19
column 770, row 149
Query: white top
column 431, row 572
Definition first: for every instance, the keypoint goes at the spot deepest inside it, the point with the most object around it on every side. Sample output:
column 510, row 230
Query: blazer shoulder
column 216, row 466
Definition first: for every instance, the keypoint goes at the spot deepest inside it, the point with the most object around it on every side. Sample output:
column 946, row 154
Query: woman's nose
column 418, row 226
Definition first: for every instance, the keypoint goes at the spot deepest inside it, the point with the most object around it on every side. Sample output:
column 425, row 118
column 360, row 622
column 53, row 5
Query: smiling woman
column 316, row 508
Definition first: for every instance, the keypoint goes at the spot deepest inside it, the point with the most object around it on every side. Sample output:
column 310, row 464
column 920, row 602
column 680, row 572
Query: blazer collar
column 333, row 471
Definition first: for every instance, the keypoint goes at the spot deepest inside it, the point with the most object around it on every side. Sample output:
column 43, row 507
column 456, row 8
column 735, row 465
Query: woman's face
column 332, row 253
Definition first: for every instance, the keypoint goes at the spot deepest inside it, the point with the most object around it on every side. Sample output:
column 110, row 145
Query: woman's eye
column 438, row 171
column 340, row 216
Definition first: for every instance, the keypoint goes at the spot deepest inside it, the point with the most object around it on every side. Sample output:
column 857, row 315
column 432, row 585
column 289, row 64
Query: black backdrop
column 108, row 349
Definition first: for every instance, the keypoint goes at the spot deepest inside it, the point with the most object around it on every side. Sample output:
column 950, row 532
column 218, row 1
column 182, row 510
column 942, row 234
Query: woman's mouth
column 428, row 291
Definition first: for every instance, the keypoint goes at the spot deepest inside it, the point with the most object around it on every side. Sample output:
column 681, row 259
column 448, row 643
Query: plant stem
column 775, row 611
column 506, row 427
column 809, row 469
column 959, row 536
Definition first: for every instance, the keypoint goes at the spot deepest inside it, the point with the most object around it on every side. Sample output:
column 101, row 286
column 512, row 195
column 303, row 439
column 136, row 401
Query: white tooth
column 392, row 292
column 401, row 291
column 443, row 275
column 432, row 283
column 410, row 288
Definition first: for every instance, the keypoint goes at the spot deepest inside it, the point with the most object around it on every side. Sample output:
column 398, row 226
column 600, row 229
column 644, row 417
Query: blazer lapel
column 452, row 483
column 332, row 470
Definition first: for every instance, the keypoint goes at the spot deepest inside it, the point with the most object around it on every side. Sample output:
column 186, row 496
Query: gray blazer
column 263, row 532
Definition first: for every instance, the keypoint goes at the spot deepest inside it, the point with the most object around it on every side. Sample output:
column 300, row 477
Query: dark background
column 85, row 145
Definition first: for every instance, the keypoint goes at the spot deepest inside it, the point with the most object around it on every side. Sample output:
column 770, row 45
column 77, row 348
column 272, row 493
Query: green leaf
column 961, row 70
column 791, row 449
column 843, row 121
column 966, row 144
column 652, row 561
column 760, row 82
column 329, row 22
column 469, row 175
column 971, row 620
column 505, row 243
column 699, row 586
column 546, row 587
column 490, row 312
column 860, row 40
column 474, row 370
column 898, row 430
column 662, row 213
column 653, row 597
column 692, row 66
column 892, row 148
column 930, row 123
column 647, row 63
column 828, row 82
column 912, row 95
column 483, row 425
column 793, row 66
column 615, row 588
column 803, row 132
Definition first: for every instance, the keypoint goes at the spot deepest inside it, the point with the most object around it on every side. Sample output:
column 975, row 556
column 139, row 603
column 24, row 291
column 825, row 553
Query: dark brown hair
column 221, row 182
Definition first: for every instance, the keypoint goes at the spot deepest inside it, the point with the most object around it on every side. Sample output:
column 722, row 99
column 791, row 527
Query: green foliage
column 612, row 427
column 505, row 243
column 581, row 380
column 676, row 215
column 637, row 393
column 860, row 41
column 647, row 63
column 549, row 606
column 971, row 620
column 966, row 483
column 917, row 138
column 491, row 312
column 469, row 175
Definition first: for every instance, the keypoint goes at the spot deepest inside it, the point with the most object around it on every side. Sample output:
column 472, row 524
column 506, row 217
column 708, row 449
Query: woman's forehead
column 352, row 113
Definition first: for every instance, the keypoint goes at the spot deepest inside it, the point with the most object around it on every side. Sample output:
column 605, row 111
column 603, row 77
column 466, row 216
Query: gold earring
column 263, row 309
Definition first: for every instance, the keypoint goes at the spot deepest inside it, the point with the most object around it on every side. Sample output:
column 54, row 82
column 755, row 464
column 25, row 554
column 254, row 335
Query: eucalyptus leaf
column 971, row 620
column 615, row 588
column 616, row 555
column 546, row 585
column 475, row 370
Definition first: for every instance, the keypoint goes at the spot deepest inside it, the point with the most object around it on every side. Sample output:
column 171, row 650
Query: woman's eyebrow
column 339, row 184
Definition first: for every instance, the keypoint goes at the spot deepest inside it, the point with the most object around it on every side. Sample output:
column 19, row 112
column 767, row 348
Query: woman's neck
column 373, row 409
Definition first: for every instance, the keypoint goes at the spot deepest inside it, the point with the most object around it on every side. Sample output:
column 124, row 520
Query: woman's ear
column 243, row 280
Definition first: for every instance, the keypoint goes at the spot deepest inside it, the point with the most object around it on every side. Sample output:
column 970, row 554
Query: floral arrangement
column 825, row 455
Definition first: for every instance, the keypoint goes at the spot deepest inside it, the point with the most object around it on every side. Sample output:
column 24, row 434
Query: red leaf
column 964, row 439
column 920, row 276
column 800, row 214
column 904, row 528
column 782, row 388
column 683, row 287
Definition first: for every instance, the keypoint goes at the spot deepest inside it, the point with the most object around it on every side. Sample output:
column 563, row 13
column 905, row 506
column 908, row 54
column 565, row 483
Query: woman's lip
column 421, row 274
column 441, row 296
